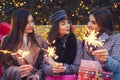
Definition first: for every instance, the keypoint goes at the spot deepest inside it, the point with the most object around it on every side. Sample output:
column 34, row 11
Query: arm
column 113, row 61
column 110, row 60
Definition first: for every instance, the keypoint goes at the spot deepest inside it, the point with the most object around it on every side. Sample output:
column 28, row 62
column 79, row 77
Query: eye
column 94, row 22
column 32, row 20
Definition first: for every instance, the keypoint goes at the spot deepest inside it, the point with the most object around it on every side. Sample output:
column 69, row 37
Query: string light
column 115, row 5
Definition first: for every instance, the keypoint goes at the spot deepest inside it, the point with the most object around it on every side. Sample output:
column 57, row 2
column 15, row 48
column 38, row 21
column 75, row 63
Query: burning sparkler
column 7, row 52
column 51, row 50
column 91, row 39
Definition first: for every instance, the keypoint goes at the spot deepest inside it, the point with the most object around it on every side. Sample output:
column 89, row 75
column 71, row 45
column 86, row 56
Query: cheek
column 61, row 30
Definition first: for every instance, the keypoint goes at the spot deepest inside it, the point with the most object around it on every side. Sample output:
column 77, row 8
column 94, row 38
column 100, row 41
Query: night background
column 77, row 10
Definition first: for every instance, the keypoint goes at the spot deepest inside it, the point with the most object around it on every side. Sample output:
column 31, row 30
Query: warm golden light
column 7, row 52
column 51, row 50
column 91, row 39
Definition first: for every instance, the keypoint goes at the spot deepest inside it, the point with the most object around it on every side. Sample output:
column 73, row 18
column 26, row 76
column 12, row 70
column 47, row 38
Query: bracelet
column 37, row 76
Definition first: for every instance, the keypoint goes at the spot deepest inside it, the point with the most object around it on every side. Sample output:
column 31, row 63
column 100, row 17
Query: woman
column 22, row 63
column 109, row 54
column 68, row 48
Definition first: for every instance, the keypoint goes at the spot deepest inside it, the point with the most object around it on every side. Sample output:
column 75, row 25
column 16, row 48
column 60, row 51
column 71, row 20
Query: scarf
column 66, row 48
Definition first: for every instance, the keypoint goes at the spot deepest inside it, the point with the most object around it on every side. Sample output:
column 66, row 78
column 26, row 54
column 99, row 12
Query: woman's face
column 30, row 25
column 92, row 24
column 64, row 27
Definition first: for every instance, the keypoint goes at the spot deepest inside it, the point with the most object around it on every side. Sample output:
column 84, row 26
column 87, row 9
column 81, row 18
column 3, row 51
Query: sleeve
column 12, row 73
column 70, row 69
column 113, row 62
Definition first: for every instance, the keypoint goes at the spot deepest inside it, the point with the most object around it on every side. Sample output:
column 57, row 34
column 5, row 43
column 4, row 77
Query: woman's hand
column 58, row 68
column 48, row 59
column 25, row 69
column 101, row 55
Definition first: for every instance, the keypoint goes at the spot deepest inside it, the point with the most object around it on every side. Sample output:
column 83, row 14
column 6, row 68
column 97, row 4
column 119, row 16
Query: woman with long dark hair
column 25, row 47
column 68, row 47
column 109, row 54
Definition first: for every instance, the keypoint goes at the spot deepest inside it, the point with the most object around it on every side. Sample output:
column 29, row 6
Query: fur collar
column 66, row 48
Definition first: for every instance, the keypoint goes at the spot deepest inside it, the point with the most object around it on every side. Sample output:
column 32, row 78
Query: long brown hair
column 13, row 41
column 104, row 19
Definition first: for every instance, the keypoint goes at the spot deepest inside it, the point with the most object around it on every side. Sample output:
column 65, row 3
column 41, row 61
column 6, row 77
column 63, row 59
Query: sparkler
column 91, row 39
column 51, row 50
column 7, row 52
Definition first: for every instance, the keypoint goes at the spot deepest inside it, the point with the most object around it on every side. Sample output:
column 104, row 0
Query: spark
column 51, row 50
column 91, row 39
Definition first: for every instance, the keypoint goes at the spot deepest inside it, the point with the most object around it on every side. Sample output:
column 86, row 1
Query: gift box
column 92, row 70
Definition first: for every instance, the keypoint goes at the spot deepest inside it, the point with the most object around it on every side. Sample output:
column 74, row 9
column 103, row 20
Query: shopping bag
column 62, row 77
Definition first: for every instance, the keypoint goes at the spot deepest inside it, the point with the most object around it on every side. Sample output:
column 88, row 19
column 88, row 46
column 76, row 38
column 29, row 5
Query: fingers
column 25, row 69
column 58, row 67
column 101, row 55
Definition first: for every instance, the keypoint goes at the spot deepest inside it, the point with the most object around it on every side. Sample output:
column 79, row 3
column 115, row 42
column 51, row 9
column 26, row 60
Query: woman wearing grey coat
column 24, row 60
column 109, row 54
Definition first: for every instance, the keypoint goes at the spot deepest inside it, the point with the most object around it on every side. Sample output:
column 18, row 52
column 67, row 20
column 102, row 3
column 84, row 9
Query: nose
column 68, row 25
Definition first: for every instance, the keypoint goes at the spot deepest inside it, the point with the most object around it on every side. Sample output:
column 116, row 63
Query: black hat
column 57, row 16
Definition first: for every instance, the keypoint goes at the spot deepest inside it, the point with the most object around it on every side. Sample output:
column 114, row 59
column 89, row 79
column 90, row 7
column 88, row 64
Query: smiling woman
column 68, row 49
column 27, row 48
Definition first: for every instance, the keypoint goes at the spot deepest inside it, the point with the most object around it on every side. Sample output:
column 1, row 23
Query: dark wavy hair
column 54, row 31
column 104, row 19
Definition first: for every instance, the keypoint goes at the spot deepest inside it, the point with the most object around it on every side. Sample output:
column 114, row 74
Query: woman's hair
column 13, row 41
column 19, row 20
column 54, row 31
column 104, row 20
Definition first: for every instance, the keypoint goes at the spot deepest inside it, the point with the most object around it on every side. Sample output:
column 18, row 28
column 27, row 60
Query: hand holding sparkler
column 101, row 55
column 91, row 39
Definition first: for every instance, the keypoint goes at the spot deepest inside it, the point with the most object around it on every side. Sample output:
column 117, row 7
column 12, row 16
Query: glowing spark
column 91, row 39
column 7, row 52
column 51, row 50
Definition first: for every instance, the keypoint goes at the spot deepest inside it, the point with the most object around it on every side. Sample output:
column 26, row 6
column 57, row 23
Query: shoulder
column 79, row 41
column 116, row 38
column 38, row 37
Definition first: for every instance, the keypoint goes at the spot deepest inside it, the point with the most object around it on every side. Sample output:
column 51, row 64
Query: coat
column 26, row 55
column 112, row 44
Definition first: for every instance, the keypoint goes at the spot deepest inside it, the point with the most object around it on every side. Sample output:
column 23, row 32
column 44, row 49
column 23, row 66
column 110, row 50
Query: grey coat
column 112, row 44
column 31, row 57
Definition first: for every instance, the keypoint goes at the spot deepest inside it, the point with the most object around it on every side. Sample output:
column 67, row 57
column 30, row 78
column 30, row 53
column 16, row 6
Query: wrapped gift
column 92, row 70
